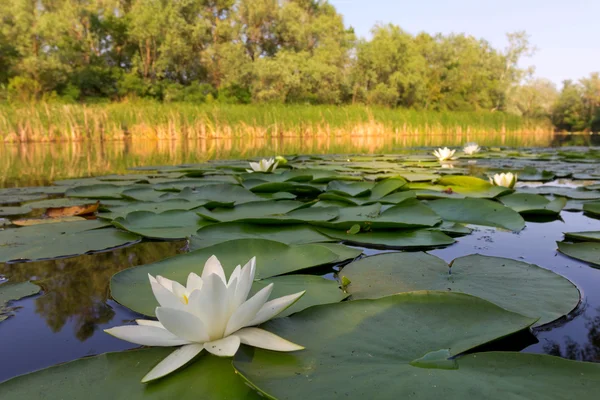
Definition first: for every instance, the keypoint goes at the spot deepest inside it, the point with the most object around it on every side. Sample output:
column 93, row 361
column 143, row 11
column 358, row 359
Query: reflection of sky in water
column 66, row 322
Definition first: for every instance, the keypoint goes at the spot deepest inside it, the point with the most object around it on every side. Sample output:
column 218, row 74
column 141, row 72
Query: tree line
column 265, row 51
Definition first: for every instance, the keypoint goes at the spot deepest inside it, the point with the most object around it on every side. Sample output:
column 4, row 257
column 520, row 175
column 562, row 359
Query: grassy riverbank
column 146, row 120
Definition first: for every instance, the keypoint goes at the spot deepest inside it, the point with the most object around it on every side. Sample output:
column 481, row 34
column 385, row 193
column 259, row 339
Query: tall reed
column 144, row 120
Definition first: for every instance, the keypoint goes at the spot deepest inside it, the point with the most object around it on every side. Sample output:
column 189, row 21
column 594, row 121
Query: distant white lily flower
column 263, row 165
column 444, row 154
column 208, row 313
column 471, row 148
column 507, row 180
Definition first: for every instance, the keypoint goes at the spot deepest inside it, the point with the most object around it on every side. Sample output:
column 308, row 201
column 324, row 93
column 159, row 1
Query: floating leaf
column 131, row 288
column 403, row 240
column 478, row 212
column 10, row 211
column 584, row 251
column 223, row 232
column 14, row 291
column 514, row 285
column 408, row 214
column 270, row 212
column 525, row 203
column 377, row 340
column 40, row 221
column 59, row 240
column 173, row 224
column 590, row 236
column 118, row 376
column 592, row 208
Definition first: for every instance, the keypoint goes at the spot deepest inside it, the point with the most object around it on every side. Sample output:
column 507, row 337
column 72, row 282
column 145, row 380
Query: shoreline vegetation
column 46, row 122
column 90, row 67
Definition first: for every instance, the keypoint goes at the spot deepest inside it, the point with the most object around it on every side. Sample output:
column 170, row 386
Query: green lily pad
column 14, row 291
column 20, row 198
column 58, row 203
column 532, row 174
column 220, row 193
column 358, row 348
column 584, row 251
column 289, row 234
column 352, row 189
column 418, row 176
column 154, row 207
column 514, row 285
column 59, row 240
column 131, row 288
column 402, row 240
column 571, row 193
column 100, row 191
column 174, row 224
column 467, row 186
column 408, row 214
column 478, row 212
column 590, row 236
column 10, row 211
column 118, row 376
column 592, row 208
column 525, row 203
column 142, row 194
column 305, row 189
column 270, row 212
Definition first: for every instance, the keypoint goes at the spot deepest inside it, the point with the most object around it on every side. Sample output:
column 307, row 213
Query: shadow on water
column 66, row 321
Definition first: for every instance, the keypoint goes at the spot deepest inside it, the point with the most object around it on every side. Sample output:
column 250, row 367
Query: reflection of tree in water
column 76, row 288
column 589, row 351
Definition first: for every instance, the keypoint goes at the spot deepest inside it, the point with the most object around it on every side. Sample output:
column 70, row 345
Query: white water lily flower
column 471, row 148
column 444, row 154
column 263, row 165
column 507, row 180
column 208, row 313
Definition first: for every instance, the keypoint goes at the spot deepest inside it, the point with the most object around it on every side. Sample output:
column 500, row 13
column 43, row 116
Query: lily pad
column 100, row 191
column 571, row 193
column 408, row 214
column 590, row 236
column 382, row 341
column 59, row 240
column 131, row 288
column 18, row 198
column 478, row 212
column 467, row 186
column 401, row 240
column 173, row 224
column 352, row 189
column 270, row 212
column 525, row 203
column 11, row 211
column 289, row 234
column 592, row 208
column 584, row 251
column 118, row 376
column 14, row 291
column 155, row 207
column 514, row 285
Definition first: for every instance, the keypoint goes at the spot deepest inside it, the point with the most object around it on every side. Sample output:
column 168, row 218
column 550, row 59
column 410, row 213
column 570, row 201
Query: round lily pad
column 525, row 203
column 174, row 224
column 514, row 285
column 584, row 251
column 131, row 288
column 478, row 212
column 394, row 239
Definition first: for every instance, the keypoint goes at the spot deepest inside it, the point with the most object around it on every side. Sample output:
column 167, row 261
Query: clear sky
column 565, row 32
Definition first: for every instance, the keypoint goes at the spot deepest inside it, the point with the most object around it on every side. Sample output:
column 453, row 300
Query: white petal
column 213, row 266
column 166, row 282
column 148, row 322
column 182, row 324
column 265, row 340
column 226, row 347
column 173, row 361
column 255, row 166
column 194, row 282
column 180, row 292
column 244, row 283
column 247, row 311
column 274, row 307
column 235, row 274
column 146, row 335
column 210, row 305
column 165, row 297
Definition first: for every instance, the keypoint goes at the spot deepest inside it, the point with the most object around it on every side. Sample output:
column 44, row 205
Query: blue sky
column 565, row 32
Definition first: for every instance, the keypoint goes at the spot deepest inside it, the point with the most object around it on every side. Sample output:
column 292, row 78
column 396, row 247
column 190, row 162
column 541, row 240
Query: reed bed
column 157, row 121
